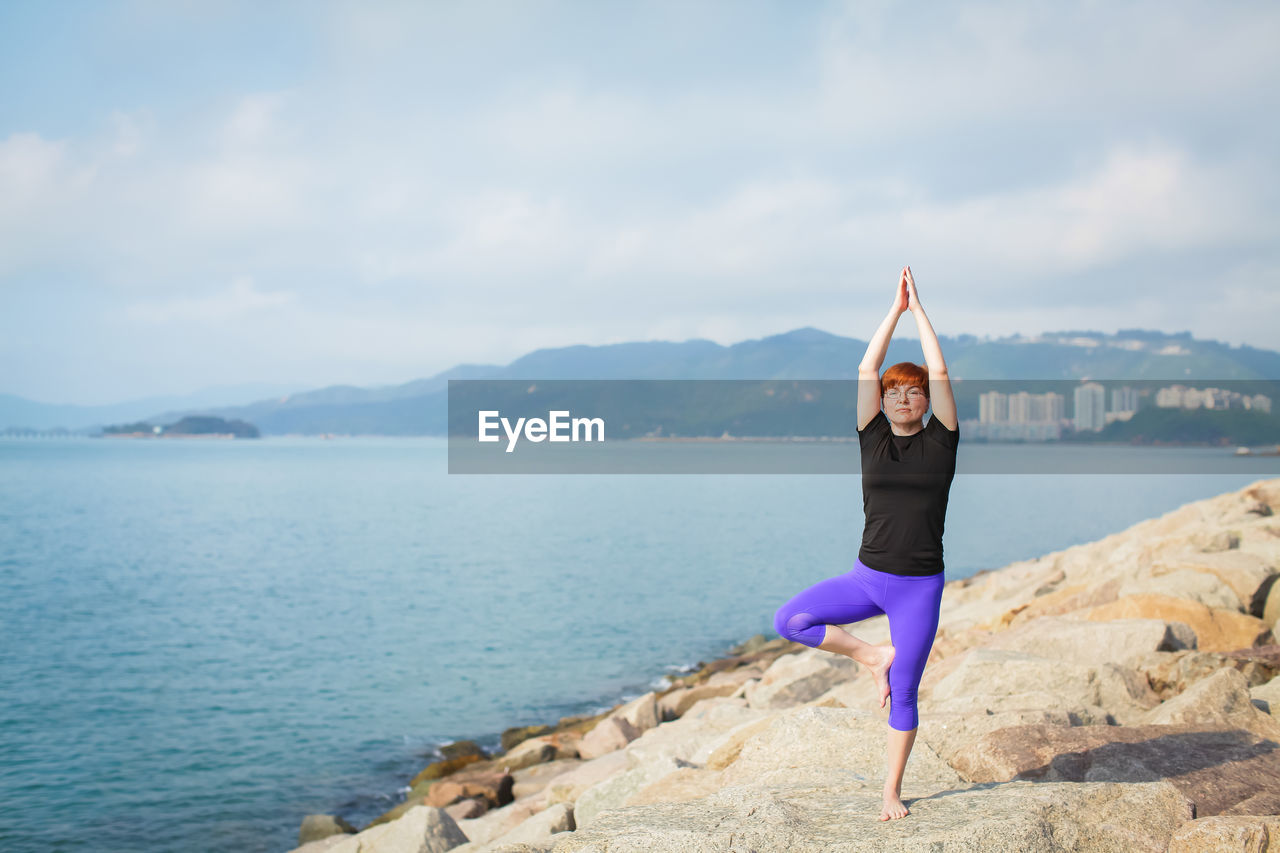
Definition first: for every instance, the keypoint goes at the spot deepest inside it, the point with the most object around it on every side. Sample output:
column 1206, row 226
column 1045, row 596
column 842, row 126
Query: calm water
column 205, row 641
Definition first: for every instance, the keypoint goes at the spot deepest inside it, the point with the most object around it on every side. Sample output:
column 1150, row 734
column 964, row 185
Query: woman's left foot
column 893, row 807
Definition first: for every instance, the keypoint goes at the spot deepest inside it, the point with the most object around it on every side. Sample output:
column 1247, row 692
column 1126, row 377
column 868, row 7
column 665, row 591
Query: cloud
column 236, row 300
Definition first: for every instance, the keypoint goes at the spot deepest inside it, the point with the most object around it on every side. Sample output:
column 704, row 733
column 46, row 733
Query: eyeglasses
column 912, row 393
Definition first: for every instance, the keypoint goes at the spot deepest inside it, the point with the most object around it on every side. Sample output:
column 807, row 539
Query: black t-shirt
column 906, row 480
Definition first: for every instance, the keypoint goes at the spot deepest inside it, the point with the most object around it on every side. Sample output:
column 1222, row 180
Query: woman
column 907, row 469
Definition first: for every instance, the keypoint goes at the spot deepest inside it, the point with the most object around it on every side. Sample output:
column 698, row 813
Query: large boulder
column 833, row 748
column 1219, row 699
column 611, row 734
column 1221, row 770
column 989, row 681
column 1025, row 817
column 1215, row 629
column 422, row 829
column 799, row 678
column 1119, row 641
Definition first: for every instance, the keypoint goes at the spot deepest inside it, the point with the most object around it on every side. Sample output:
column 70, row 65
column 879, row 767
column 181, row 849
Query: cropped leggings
column 912, row 605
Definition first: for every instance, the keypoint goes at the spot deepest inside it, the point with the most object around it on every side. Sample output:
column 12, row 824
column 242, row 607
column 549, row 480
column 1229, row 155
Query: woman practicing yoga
column 907, row 471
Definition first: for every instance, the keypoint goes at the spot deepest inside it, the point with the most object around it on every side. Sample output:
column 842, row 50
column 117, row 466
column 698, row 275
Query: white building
column 1091, row 407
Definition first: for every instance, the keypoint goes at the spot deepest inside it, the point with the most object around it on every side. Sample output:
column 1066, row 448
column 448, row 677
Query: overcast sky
column 195, row 194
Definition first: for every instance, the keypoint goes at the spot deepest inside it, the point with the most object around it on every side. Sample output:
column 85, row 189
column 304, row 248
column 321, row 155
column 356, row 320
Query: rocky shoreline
column 1116, row 695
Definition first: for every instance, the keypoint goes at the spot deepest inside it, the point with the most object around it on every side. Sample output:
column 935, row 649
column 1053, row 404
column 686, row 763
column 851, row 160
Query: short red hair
column 905, row 373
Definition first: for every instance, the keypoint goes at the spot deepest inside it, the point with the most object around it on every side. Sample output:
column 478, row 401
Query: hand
column 901, row 298
column 913, row 298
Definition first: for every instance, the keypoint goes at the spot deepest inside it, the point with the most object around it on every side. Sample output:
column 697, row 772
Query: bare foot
column 893, row 807
column 880, row 669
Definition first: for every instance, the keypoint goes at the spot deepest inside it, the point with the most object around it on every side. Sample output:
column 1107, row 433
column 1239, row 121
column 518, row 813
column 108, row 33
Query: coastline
column 1163, row 632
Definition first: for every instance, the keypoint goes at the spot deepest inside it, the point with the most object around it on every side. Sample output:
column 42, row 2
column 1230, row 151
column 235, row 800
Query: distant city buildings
column 1022, row 416
column 1180, row 396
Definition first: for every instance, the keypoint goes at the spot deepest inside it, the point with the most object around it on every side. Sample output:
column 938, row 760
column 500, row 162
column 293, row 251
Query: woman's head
column 904, row 393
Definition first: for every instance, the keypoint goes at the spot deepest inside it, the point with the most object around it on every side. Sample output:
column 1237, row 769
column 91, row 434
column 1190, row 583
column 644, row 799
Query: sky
column 196, row 194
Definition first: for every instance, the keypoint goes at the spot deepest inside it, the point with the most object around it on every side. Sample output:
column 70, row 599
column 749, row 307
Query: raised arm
column 869, row 369
column 941, row 396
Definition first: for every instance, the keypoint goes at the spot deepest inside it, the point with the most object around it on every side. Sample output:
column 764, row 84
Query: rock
column 492, row 786
column 444, row 767
column 531, row 780
column 1225, row 832
column 641, row 712
column 495, row 823
column 1016, row 817
column 1121, row 641
column 323, row 845
column 467, row 809
column 1192, row 585
column 1219, row 699
column 1220, row 770
column 611, row 734
column 614, row 791
column 833, row 748
column 993, row 680
column 753, row 644
column 542, row 749
column 514, row 736
column 537, row 830
column 1058, row 601
column 317, row 826
column 1216, row 630
column 687, row 737
column 795, row 679
column 1266, row 697
column 567, row 787
column 678, row 702
column 687, row 783
column 947, row 734
column 1249, row 575
column 422, row 829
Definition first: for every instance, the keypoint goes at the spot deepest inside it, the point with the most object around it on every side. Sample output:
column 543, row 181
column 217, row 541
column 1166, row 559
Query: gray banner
column 534, row 426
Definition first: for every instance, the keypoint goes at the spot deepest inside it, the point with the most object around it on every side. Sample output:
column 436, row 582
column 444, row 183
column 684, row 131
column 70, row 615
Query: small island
column 194, row 426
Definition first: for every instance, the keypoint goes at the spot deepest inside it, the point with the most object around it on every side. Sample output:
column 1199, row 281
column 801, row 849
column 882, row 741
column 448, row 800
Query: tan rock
column 796, row 679
column 567, row 787
column 422, row 829
column 1249, row 575
column 1220, row 770
column 492, row 786
column 993, row 680
column 531, row 780
column 678, row 702
column 1220, row 699
column 1226, row 832
column 1120, row 641
column 611, row 734
column 1023, row 816
column 687, row 783
column 1216, row 630
column 833, row 748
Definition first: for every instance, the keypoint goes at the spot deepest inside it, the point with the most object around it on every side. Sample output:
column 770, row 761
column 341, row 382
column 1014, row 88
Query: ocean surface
column 204, row 641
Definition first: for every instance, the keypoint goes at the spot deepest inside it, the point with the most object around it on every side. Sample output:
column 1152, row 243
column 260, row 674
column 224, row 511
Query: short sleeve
column 949, row 438
column 877, row 426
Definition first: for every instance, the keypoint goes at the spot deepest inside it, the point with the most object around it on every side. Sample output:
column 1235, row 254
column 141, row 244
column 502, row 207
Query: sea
column 204, row 641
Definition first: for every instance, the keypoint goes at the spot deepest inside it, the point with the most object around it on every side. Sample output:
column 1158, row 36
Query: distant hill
column 420, row 407
column 18, row 411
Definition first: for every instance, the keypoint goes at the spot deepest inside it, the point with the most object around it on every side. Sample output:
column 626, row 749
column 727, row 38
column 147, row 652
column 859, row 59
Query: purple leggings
column 911, row 604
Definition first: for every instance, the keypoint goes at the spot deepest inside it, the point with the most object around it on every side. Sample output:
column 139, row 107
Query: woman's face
column 905, row 405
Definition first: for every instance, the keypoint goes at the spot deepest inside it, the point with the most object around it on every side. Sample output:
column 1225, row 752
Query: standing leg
column 912, row 605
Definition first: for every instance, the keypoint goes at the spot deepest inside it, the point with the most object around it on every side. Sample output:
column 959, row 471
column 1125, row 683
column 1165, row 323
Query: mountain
column 21, row 412
column 420, row 407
